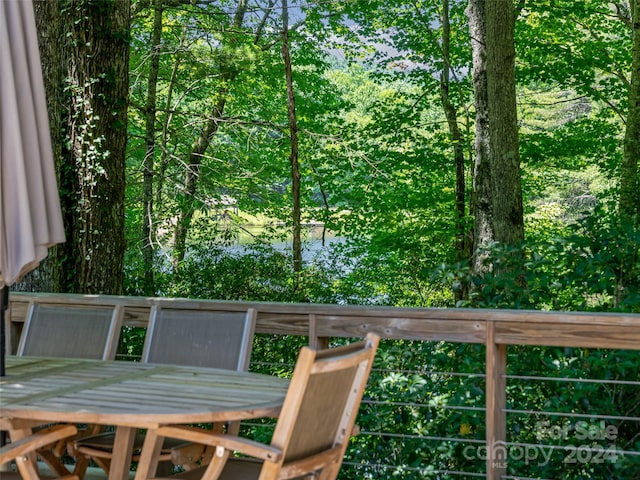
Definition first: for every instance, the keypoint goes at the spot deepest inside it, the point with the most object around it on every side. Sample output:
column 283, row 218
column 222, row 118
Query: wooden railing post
column 314, row 340
column 496, row 422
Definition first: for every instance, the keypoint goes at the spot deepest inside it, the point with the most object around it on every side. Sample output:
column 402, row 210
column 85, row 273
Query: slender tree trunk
column 96, row 124
column 461, row 250
column 481, row 198
column 48, row 276
column 198, row 150
column 508, row 217
column 293, row 132
column 188, row 207
column 629, row 204
column 148, row 248
column 165, row 157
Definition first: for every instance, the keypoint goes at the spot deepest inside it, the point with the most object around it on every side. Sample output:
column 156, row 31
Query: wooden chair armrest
column 188, row 455
column 228, row 442
column 33, row 442
column 68, row 445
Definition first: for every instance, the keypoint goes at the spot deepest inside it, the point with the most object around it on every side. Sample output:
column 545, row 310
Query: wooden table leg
column 122, row 452
column 148, row 463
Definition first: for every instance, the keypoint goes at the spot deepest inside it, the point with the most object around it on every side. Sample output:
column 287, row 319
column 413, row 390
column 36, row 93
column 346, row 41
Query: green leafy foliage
column 377, row 173
column 594, row 266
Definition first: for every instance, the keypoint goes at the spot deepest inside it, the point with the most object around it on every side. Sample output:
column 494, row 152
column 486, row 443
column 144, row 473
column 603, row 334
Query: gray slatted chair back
column 75, row 331
column 203, row 338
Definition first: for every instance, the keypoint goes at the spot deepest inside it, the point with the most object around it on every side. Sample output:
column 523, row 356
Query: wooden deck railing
column 496, row 329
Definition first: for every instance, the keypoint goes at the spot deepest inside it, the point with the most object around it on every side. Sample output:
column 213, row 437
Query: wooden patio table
column 130, row 396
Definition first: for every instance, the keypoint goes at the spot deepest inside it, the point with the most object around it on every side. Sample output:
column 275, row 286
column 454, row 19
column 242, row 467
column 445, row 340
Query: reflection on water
column 310, row 233
column 316, row 241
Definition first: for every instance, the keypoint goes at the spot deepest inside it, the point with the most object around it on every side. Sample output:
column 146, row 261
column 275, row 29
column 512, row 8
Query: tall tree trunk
column 629, row 203
column 96, row 124
column 293, row 133
column 461, row 250
column 481, row 201
column 48, row 276
column 507, row 210
column 148, row 249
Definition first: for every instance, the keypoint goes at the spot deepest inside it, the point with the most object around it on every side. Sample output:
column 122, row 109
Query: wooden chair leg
column 104, row 464
column 53, row 462
column 80, row 469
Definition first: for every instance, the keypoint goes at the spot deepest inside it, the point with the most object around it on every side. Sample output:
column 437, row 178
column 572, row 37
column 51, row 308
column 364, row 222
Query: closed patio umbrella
column 30, row 216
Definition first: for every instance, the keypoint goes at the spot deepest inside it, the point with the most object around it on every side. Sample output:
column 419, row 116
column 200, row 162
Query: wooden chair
column 82, row 331
column 183, row 336
column 21, row 449
column 311, row 434
column 202, row 337
column 75, row 331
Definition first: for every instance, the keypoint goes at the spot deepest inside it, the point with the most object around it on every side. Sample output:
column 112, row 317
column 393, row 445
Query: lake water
column 315, row 244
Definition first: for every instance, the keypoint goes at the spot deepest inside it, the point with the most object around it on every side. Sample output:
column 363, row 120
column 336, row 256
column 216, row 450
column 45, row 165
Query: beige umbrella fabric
column 30, row 217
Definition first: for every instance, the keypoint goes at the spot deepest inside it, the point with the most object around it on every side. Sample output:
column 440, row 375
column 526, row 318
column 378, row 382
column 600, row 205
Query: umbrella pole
column 4, row 304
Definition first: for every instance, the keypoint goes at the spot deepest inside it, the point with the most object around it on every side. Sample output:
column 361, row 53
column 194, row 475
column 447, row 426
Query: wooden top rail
column 495, row 328
column 510, row 327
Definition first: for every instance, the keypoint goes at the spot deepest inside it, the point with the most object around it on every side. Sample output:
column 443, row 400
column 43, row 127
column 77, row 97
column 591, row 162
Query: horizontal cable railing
column 457, row 393
column 588, row 426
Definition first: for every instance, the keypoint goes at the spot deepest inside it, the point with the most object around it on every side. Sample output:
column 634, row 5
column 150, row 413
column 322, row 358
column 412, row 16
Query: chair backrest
column 75, row 331
column 320, row 409
column 203, row 338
